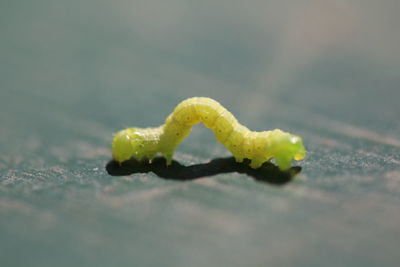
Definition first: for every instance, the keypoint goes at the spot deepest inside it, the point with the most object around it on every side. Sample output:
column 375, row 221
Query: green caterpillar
column 259, row 147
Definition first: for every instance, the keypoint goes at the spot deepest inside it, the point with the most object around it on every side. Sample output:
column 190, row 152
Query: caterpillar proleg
column 259, row 147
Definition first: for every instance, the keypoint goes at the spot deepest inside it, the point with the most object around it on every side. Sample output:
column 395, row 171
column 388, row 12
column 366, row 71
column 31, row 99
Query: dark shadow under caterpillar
column 269, row 173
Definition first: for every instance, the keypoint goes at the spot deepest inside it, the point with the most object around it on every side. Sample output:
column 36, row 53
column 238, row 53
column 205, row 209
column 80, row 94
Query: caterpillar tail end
column 123, row 146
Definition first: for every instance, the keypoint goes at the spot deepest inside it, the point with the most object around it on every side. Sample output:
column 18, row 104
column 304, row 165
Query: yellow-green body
column 259, row 147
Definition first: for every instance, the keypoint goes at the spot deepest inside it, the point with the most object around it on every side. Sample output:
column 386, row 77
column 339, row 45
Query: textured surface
column 74, row 72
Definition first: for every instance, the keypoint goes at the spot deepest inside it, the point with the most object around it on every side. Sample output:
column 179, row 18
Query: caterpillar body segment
column 138, row 142
column 259, row 147
column 207, row 109
column 224, row 126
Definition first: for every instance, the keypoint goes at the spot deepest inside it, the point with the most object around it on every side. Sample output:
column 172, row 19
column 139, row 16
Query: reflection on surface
column 268, row 173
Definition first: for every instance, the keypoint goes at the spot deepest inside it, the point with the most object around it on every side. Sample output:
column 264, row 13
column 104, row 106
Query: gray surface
column 74, row 72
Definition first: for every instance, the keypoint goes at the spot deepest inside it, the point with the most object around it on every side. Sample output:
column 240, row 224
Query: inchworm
column 259, row 147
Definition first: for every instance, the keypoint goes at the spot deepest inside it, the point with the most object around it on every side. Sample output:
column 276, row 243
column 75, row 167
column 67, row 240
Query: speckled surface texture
column 72, row 73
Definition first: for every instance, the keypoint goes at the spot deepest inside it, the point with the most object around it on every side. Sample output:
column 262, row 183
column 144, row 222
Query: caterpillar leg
column 168, row 158
column 283, row 163
column 238, row 159
column 255, row 164
column 150, row 157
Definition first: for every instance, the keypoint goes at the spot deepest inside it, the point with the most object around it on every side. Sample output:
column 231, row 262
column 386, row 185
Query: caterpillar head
column 285, row 147
column 126, row 144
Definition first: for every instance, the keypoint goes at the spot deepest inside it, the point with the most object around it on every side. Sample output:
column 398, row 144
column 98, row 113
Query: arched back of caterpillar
column 259, row 147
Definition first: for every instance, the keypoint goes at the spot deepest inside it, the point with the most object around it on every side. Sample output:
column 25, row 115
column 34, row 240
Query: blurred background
column 74, row 72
